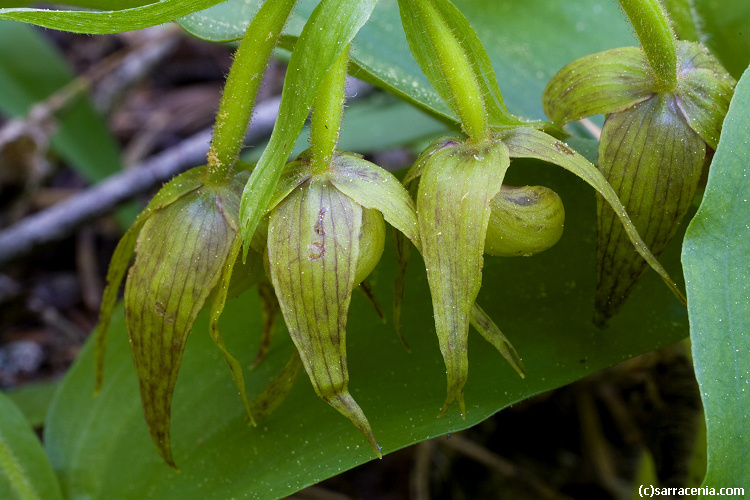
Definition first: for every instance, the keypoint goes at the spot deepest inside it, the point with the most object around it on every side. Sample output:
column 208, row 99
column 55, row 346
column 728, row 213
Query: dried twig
column 63, row 219
column 503, row 466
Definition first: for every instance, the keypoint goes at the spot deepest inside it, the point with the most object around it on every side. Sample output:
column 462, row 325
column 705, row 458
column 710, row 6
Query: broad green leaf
column 526, row 48
column 330, row 28
column 31, row 70
column 112, row 21
column 715, row 257
column 723, row 29
column 304, row 440
column 25, row 472
column 104, row 4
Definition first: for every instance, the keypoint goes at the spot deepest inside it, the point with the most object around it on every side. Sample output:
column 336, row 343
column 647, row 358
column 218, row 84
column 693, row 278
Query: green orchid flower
column 654, row 143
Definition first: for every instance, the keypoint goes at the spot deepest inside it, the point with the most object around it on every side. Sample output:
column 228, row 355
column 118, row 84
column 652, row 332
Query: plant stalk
column 328, row 108
column 466, row 95
column 654, row 31
column 241, row 88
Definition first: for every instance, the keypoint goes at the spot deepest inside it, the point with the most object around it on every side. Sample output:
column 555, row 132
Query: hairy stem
column 326, row 114
column 466, row 95
column 654, row 31
column 242, row 85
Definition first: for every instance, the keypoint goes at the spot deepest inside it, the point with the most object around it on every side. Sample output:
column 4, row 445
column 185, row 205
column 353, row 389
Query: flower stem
column 242, row 85
column 326, row 114
column 654, row 31
column 466, row 95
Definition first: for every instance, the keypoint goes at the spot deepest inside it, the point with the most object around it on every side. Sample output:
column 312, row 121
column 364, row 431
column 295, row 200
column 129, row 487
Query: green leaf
column 31, row 70
column 305, row 441
column 723, row 30
column 715, row 257
column 330, row 28
column 34, row 399
column 25, row 472
column 103, row 22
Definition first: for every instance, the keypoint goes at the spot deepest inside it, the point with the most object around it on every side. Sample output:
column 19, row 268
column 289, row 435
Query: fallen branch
column 61, row 220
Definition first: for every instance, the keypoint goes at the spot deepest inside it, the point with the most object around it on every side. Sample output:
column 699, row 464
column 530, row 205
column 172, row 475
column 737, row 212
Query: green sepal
column 453, row 208
column 653, row 161
column 313, row 248
column 530, row 143
column 598, row 83
column 181, row 255
column 375, row 188
column 178, row 187
column 278, row 389
column 703, row 92
column 489, row 330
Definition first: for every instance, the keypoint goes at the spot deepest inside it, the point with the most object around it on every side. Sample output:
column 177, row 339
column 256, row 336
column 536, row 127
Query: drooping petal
column 313, row 247
column 653, row 161
column 489, row 330
column 277, row 390
column 453, row 208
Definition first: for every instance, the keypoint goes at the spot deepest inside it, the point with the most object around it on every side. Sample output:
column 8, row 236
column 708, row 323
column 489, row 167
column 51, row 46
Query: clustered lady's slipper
column 652, row 149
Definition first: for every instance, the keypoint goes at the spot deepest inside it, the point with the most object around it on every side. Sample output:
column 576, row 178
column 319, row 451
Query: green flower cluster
column 319, row 229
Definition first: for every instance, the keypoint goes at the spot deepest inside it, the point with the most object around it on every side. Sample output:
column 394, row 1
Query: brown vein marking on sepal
column 314, row 294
